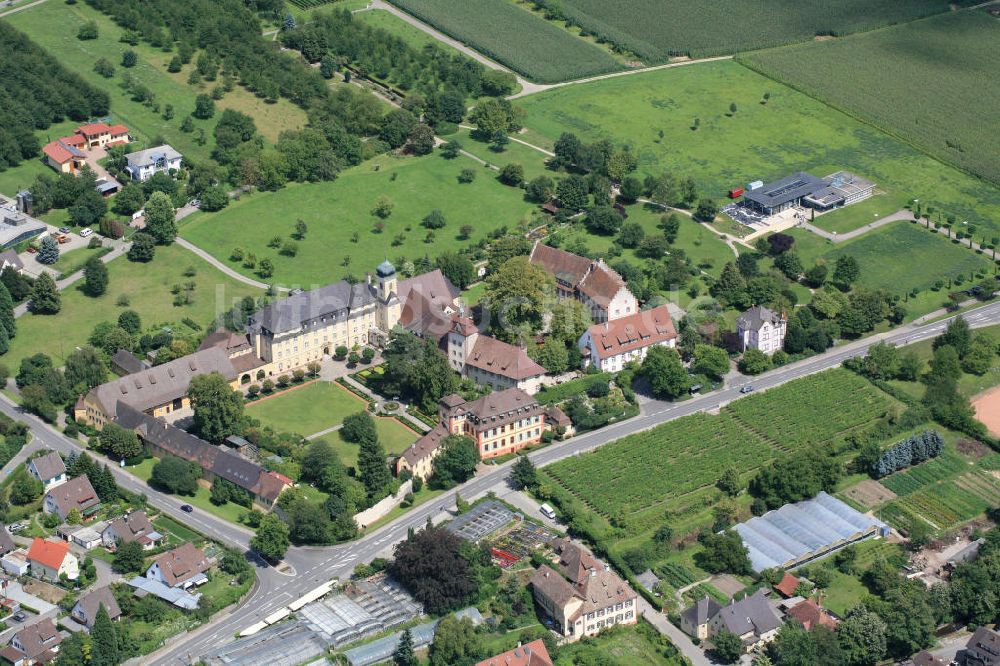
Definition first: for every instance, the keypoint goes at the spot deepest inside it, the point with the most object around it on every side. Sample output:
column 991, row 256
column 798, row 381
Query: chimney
column 605, row 326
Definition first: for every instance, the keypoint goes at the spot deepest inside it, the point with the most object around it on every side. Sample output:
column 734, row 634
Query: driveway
column 99, row 153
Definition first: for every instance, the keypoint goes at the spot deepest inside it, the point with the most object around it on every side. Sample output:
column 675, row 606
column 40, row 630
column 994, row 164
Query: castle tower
column 461, row 339
column 388, row 302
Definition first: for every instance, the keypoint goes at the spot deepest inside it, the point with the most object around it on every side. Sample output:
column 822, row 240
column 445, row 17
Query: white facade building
column 763, row 329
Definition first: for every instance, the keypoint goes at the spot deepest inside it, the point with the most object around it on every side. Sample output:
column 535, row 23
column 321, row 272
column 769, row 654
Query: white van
column 548, row 511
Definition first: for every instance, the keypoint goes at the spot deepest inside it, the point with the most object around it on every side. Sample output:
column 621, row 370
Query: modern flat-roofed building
column 782, row 194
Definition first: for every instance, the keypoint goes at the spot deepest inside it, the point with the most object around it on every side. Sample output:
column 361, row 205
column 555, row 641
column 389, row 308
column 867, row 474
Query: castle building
column 595, row 284
column 488, row 361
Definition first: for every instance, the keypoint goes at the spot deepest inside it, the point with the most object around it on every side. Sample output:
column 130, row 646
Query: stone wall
column 371, row 514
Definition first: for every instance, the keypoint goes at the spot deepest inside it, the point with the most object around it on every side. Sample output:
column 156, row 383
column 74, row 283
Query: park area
column 344, row 236
column 764, row 139
column 146, row 288
column 954, row 55
column 321, row 405
column 709, row 27
column 515, row 37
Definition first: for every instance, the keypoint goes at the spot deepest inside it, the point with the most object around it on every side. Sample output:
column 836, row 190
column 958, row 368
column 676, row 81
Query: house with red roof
column 529, row 654
column 786, row 586
column 63, row 156
column 67, row 154
column 52, row 559
column 488, row 361
column 811, row 614
column 611, row 345
column 592, row 282
column 99, row 135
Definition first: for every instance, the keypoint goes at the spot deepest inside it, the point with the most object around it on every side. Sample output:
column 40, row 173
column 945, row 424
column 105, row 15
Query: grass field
column 524, row 42
column 729, row 26
column 952, row 55
column 147, row 287
column 308, row 409
column 766, row 141
column 389, row 22
column 337, row 210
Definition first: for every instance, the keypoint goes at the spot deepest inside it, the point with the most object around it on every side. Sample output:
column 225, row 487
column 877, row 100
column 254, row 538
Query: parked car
column 32, row 249
column 746, row 388
column 547, row 511
column 187, row 508
column 16, row 527
column 19, row 616
column 86, row 231
column 64, row 230
column 62, row 238
column 194, row 203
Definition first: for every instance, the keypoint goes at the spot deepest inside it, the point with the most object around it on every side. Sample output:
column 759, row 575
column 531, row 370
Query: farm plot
column 953, row 55
column 644, row 469
column 705, row 28
column 812, row 410
column 913, row 479
column 945, row 505
column 515, row 37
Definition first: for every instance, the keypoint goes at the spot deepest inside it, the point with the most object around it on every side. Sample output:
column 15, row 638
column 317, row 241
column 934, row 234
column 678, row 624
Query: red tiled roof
column 57, row 152
column 787, row 585
column 118, row 129
column 602, row 284
column 566, row 267
column 529, row 654
column 642, row 329
column 811, row 615
column 49, row 553
column 75, row 140
column 93, row 129
column 425, row 446
column 501, row 358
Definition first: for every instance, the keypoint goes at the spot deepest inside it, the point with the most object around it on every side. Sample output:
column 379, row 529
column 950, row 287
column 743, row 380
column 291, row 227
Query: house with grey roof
column 761, row 329
column 983, row 649
column 76, row 494
column 142, row 164
column 133, row 526
column 695, row 618
column 751, row 619
column 6, row 541
column 86, row 608
column 49, row 469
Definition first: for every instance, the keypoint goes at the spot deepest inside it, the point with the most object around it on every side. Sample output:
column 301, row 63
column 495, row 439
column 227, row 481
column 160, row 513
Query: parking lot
column 74, row 242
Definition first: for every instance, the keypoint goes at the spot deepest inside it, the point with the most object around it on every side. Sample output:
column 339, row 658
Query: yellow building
column 303, row 327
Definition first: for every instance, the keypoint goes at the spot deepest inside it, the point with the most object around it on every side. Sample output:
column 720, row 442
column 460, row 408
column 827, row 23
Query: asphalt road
column 316, row 565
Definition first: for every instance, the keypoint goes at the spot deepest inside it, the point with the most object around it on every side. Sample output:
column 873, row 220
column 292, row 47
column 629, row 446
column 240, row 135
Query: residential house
column 9, row 258
column 37, row 643
column 87, row 606
column 6, row 541
column 49, row 469
column 595, row 284
column 695, row 618
column 611, row 345
column 983, row 649
column 488, row 361
column 751, row 619
column 419, row 457
column 52, row 559
column 133, row 526
column 529, row 654
column 762, row 329
column 16, row 562
column 810, row 614
column 74, row 494
column 584, row 596
column 143, row 164
column 182, row 567
column 63, row 156
column 99, row 135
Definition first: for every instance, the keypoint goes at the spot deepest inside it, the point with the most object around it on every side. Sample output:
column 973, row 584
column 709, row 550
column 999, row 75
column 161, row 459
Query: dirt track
column 987, row 406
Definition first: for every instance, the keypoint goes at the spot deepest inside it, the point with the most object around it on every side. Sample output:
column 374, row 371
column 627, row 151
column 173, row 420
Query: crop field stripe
column 515, row 37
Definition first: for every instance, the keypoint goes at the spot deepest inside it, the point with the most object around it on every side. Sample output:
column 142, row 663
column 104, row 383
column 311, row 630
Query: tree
column 603, row 220
column 458, row 268
column 706, row 210
column 908, row 618
column 403, row 654
column 572, row 192
column 95, row 277
column 45, row 298
column 980, row 355
column 795, row 478
column 129, row 557
column 723, row 552
column 846, row 272
column 218, row 409
column 25, row 489
column 48, row 253
column 632, row 234
column 789, row 264
column 728, row 647
column 466, row 176
column 271, row 539
column 433, row 220
column 104, row 67
column 502, row 249
column 957, row 335
column 415, row 369
column 517, row 295
column 130, row 199
column 104, row 640
column 130, row 321
column 87, row 31
column 816, row 275
column 881, row 361
column 512, row 174
column 129, row 58
column 176, row 475
column 430, row 565
column 862, row 637
column 421, row 139
column 665, row 373
column 372, row 468
column 359, row 427
column 204, row 107
column 731, row 287
column 451, row 150
column 161, row 218
column 524, row 475
column 730, row 482
column 754, row 362
column 456, row 463
column 143, row 248
column 539, row 189
column 383, row 207
column 711, row 361
column 119, row 442
column 495, row 115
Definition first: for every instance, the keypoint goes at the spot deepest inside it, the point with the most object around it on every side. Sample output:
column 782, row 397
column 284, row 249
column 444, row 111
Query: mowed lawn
column 760, row 141
column 148, row 289
column 307, row 409
column 336, row 211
